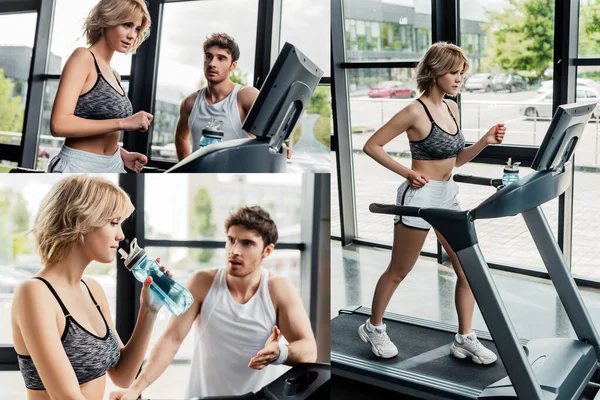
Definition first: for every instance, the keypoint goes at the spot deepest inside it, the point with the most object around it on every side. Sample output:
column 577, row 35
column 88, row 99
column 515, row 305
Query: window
column 181, row 63
column 16, row 45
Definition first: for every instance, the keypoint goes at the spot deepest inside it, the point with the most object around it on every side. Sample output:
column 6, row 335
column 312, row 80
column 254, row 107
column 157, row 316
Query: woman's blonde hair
column 440, row 59
column 109, row 13
column 75, row 206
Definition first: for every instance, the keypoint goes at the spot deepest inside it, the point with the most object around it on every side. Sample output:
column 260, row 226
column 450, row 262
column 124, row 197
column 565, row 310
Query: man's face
column 217, row 64
column 245, row 251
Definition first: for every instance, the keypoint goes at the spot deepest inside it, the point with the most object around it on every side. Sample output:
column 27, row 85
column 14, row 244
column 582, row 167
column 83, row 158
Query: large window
column 17, row 33
column 181, row 64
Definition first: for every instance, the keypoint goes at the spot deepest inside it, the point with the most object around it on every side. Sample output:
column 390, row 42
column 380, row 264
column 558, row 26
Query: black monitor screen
column 283, row 97
column 564, row 132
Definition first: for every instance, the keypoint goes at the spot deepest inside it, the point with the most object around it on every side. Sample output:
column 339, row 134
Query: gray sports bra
column 90, row 355
column 439, row 144
column 103, row 101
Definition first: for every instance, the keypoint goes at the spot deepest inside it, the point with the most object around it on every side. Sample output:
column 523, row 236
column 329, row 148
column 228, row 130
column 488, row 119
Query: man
column 221, row 99
column 241, row 312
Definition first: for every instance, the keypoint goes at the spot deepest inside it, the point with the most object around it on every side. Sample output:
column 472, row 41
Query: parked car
column 479, row 82
column 510, row 82
column 543, row 108
column 391, row 90
column 589, row 83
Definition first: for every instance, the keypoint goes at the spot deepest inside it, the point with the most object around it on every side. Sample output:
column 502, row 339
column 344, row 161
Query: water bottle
column 511, row 172
column 174, row 296
column 212, row 133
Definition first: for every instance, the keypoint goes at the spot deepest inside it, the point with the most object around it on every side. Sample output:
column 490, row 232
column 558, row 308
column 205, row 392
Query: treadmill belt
column 422, row 350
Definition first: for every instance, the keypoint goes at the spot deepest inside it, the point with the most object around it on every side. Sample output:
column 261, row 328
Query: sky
column 305, row 23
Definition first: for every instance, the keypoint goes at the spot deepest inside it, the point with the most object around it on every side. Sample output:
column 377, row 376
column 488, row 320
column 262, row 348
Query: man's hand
column 269, row 354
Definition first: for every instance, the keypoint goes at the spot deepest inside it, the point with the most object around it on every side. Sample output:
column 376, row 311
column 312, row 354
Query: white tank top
column 226, row 337
column 226, row 110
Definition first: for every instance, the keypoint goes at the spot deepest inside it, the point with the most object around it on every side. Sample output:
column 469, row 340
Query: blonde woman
column 62, row 328
column 437, row 146
column 91, row 108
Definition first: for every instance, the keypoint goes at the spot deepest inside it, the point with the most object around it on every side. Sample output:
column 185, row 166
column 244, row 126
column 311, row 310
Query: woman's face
column 101, row 245
column 450, row 83
column 120, row 38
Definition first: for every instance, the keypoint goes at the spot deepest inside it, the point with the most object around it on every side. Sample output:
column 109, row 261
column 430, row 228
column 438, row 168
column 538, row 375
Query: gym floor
column 428, row 293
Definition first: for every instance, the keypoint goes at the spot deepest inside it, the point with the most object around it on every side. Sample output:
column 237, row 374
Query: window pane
column 180, row 67
column 17, row 33
column 386, row 30
column 67, row 35
column 504, row 83
column 19, row 202
column 204, row 201
column 304, row 23
column 49, row 146
column 589, row 29
column 336, row 226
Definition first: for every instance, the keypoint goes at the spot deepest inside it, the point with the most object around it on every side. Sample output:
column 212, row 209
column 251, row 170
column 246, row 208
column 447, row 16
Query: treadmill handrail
column 478, row 180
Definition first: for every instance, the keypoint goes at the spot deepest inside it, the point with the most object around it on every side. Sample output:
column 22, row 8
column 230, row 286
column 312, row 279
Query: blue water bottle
column 511, row 172
column 212, row 133
column 173, row 295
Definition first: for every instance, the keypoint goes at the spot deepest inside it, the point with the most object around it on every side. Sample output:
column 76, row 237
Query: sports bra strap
column 426, row 110
column 64, row 309
column 450, row 111
column 96, row 64
column 90, row 292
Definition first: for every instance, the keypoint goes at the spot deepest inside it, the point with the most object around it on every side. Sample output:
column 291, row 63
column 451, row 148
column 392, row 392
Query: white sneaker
column 471, row 347
column 381, row 345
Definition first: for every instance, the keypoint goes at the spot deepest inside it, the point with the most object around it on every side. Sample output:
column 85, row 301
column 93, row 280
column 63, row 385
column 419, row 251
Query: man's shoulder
column 201, row 281
column 247, row 94
column 279, row 285
column 188, row 102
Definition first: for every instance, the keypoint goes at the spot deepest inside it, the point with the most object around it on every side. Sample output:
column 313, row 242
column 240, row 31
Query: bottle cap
column 135, row 254
column 510, row 167
column 212, row 133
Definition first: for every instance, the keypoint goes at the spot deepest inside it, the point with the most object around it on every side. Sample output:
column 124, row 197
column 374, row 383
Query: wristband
column 283, row 353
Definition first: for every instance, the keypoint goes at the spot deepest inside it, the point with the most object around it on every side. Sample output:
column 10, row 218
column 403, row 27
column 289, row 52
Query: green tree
column 589, row 29
column 521, row 37
column 11, row 110
column 202, row 223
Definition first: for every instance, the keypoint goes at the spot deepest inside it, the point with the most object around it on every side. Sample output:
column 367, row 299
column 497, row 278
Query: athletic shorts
column 435, row 194
column 73, row 160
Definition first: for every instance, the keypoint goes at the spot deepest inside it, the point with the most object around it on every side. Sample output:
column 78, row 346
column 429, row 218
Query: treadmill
column 553, row 368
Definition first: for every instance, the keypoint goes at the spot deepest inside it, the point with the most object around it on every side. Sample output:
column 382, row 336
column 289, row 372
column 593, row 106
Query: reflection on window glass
column 589, row 28
column 336, row 226
column 180, row 67
column 510, row 50
column 386, row 30
column 67, row 35
column 17, row 33
column 48, row 145
column 204, row 201
column 304, row 23
column 19, row 201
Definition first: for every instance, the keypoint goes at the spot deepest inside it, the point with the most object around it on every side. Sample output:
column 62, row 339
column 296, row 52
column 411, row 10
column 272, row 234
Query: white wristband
column 283, row 353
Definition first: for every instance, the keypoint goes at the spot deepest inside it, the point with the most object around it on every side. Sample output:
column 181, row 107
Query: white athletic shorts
column 435, row 194
column 73, row 160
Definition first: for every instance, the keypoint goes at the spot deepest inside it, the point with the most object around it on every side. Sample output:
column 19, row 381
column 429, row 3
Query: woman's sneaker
column 468, row 346
column 380, row 342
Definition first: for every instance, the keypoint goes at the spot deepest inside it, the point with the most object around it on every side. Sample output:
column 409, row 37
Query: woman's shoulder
column 82, row 57
column 32, row 292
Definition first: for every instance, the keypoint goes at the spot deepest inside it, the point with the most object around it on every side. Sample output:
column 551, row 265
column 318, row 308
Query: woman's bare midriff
column 437, row 170
column 92, row 390
column 105, row 144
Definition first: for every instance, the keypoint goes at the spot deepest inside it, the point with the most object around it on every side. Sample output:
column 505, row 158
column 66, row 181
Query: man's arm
column 163, row 353
column 182, row 132
column 293, row 322
column 246, row 98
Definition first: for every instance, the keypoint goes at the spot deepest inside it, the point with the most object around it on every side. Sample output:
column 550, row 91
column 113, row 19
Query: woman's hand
column 148, row 300
column 495, row 135
column 417, row 180
column 134, row 161
column 128, row 394
column 139, row 121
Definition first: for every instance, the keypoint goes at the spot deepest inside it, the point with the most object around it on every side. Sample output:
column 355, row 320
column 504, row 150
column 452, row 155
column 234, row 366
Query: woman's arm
column 35, row 310
column 63, row 122
column 132, row 354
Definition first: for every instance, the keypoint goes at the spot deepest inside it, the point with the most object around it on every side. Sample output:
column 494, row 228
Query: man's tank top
column 225, row 110
column 226, row 337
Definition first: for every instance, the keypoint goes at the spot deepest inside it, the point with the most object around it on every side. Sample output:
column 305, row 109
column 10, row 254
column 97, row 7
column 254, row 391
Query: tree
column 521, row 37
column 201, row 223
column 589, row 29
column 11, row 110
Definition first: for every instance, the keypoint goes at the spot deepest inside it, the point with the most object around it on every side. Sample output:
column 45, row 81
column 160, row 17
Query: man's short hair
column 254, row 218
column 223, row 41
